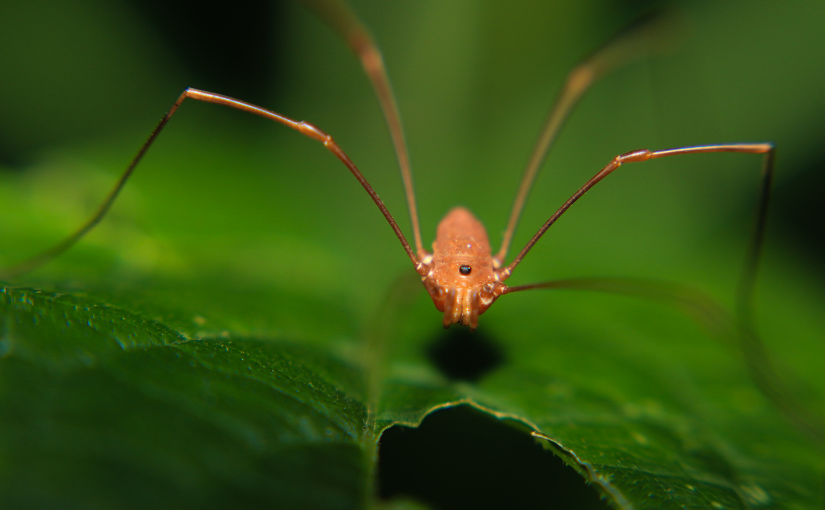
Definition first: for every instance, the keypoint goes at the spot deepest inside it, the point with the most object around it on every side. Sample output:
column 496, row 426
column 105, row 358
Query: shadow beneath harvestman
column 462, row 355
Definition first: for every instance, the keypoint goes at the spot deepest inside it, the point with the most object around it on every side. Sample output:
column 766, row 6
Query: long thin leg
column 209, row 97
column 346, row 24
column 613, row 55
column 708, row 313
column 643, row 155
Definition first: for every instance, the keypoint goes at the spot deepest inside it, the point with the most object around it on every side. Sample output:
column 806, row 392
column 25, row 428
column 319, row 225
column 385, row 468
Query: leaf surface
column 239, row 332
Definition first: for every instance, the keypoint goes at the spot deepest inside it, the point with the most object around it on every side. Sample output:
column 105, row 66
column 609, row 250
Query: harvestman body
column 462, row 275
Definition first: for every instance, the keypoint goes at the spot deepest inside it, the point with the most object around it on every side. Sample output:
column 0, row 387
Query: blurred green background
column 232, row 200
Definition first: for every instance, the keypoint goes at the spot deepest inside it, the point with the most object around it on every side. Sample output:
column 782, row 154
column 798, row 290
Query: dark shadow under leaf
column 464, row 458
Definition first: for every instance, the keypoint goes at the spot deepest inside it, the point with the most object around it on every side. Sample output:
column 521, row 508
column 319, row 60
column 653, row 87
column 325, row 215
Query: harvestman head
column 461, row 274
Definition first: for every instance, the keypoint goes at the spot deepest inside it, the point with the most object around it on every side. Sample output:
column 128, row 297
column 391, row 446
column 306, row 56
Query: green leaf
column 102, row 406
column 243, row 327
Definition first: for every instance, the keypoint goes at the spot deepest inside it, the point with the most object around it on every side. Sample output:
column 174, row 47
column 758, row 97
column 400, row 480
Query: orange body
column 461, row 274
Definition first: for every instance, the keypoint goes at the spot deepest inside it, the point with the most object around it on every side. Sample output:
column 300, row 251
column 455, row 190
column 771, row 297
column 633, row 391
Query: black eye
column 465, row 270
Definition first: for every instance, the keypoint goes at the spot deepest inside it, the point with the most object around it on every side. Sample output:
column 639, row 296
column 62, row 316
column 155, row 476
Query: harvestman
column 461, row 274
